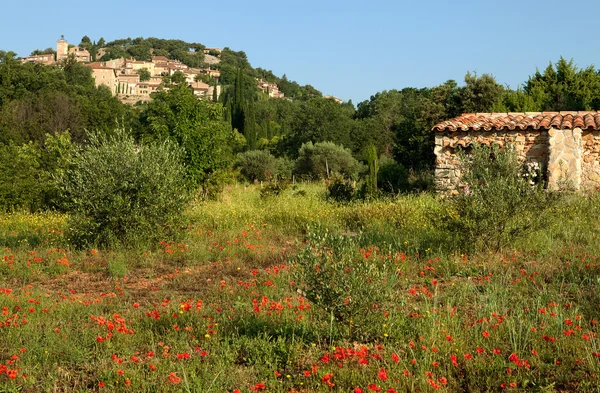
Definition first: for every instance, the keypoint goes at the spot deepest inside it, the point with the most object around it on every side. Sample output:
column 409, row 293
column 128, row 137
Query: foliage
column 392, row 177
column 222, row 310
column 189, row 53
column 144, row 74
column 119, row 192
column 317, row 120
column 28, row 170
column 335, row 276
column 273, row 188
column 21, row 177
column 340, row 189
column 322, row 159
column 215, row 182
column 565, row 87
column 197, row 126
column 373, row 164
column 257, row 165
column 37, row 99
column 497, row 204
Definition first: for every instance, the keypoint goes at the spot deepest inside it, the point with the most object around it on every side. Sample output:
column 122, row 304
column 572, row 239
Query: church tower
column 62, row 48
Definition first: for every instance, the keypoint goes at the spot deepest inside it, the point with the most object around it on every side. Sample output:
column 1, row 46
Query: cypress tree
column 250, row 127
column 237, row 112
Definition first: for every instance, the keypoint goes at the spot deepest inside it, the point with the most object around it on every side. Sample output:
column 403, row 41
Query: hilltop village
column 132, row 80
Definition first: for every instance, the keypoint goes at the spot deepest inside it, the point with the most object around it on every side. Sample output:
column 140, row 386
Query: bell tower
column 62, row 48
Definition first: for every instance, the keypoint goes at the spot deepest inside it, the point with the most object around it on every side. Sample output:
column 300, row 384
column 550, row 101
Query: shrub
column 21, row 182
column 119, row 192
column 285, row 168
column 497, row 203
column 56, row 158
column 392, row 177
column 27, row 170
column 320, row 160
column 352, row 285
column 257, row 165
column 421, row 180
column 215, row 182
column 340, row 189
column 273, row 188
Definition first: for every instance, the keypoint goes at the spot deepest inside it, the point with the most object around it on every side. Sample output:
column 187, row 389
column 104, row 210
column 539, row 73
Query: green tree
column 144, row 74
column 195, row 125
column 322, row 159
column 498, row 204
column 21, row 177
column 257, row 165
column 480, row 94
column 565, row 87
column 317, row 120
column 120, row 192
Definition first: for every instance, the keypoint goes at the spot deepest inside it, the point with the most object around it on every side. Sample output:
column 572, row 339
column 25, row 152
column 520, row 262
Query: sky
column 350, row 49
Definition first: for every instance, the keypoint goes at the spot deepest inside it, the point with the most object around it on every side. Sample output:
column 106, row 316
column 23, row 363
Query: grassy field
column 291, row 293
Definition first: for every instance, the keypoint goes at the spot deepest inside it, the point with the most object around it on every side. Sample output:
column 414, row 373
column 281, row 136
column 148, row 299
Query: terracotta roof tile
column 587, row 120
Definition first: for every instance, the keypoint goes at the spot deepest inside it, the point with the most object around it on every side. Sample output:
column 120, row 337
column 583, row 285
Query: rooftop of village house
column 585, row 120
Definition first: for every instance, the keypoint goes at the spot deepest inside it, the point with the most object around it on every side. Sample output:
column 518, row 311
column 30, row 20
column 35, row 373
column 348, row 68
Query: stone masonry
column 566, row 145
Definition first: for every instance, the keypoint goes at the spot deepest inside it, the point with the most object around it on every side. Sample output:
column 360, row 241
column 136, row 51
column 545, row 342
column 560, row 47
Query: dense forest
column 46, row 108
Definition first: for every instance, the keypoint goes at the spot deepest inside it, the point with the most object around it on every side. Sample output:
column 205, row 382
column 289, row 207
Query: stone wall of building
column 530, row 145
column 564, row 161
column 590, row 163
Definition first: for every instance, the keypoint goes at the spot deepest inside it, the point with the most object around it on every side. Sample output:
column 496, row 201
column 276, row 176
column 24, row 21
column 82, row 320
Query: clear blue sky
column 351, row 49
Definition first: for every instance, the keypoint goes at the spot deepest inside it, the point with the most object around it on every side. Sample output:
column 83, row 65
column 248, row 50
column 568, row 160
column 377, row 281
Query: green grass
column 223, row 309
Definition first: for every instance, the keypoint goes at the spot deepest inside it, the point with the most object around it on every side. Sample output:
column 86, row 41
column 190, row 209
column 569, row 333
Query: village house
column 337, row 100
column 270, row 88
column 216, row 74
column 566, row 145
column 100, row 52
column 191, row 75
column 82, row 55
column 45, row 58
column 200, row 88
column 122, row 77
column 211, row 91
column 104, row 75
column 213, row 50
column 133, row 66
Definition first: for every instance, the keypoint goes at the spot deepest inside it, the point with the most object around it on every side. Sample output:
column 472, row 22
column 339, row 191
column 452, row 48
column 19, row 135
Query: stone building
column 104, row 75
column 566, row 145
column 44, row 58
column 82, row 55
column 62, row 49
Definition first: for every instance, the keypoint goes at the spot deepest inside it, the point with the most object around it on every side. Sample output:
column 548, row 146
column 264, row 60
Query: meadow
column 293, row 293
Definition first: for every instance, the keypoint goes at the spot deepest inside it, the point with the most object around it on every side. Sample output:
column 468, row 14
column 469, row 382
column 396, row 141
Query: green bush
column 285, row 168
column 322, row 159
column 22, row 181
column 56, row 158
column 27, row 171
column 273, row 189
column 257, row 165
column 340, row 189
column 497, row 203
column 119, row 192
column 353, row 286
column 392, row 177
column 215, row 182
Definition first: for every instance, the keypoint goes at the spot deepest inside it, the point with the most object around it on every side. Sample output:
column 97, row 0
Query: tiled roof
column 586, row 120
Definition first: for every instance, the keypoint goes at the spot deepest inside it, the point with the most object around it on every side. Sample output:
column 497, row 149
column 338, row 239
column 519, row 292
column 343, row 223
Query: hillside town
column 134, row 80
